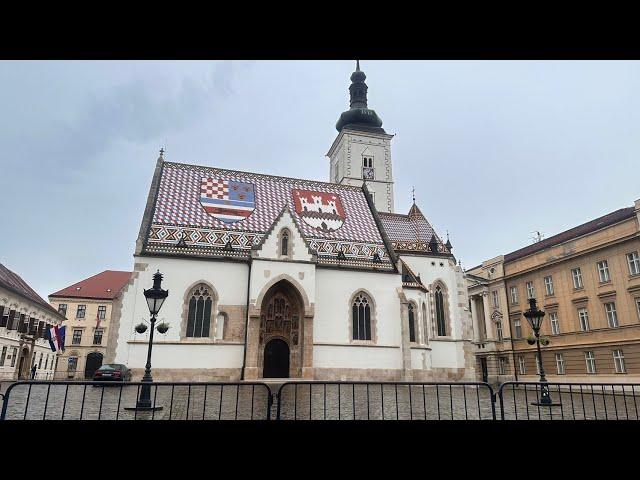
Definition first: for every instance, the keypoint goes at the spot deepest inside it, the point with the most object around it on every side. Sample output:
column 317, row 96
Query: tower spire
column 359, row 116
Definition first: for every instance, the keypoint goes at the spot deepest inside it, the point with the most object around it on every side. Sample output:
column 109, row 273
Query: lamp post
column 155, row 298
column 535, row 316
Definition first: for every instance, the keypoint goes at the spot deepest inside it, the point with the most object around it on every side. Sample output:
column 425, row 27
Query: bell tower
column 362, row 150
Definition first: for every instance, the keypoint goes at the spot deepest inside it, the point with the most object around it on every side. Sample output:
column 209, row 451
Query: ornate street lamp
column 535, row 316
column 155, row 298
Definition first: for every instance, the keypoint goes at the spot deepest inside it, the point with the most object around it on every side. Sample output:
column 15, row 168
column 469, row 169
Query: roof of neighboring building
column 13, row 282
column 579, row 231
column 214, row 212
column 103, row 286
column 411, row 232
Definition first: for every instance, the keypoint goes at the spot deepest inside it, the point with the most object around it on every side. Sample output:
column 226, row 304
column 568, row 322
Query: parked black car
column 112, row 372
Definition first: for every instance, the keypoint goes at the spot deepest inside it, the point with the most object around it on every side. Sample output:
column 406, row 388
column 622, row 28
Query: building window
column 62, row 309
column 425, row 333
column 548, row 285
column 634, row 263
column 221, row 321
column 503, row 365
column 603, row 271
column 441, row 318
column 555, row 325
column 559, row 364
column 97, row 337
column 81, row 311
column 367, row 168
column 199, row 317
column 285, row 238
column 618, row 360
column 522, row 367
column 590, row 359
column 517, row 328
column 514, row 295
column 412, row 323
column 373, row 196
column 576, row 273
column 102, row 312
column 584, row 319
column 3, row 356
column 4, row 316
column 40, row 361
column 77, row 337
column 612, row 316
column 531, row 293
column 499, row 331
column 638, row 306
column 72, row 365
column 14, row 354
column 361, row 317
column 496, row 300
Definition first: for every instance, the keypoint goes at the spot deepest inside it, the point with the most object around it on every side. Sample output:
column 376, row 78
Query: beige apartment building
column 88, row 306
column 587, row 280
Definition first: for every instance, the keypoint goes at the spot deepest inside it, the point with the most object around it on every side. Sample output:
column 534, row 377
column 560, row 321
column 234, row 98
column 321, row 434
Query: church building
column 276, row 277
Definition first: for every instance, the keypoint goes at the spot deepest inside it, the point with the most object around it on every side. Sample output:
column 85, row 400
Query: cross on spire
column 357, row 65
column 413, row 194
column 161, row 152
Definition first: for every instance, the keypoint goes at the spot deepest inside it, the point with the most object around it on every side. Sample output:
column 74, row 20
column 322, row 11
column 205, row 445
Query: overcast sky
column 496, row 150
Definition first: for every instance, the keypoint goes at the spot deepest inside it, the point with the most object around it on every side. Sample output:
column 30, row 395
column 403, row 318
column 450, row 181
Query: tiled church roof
column 13, row 282
column 411, row 232
column 104, row 286
column 181, row 225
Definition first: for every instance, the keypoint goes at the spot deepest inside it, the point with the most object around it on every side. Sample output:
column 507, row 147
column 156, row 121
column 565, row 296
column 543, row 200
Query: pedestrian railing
column 309, row 400
column 77, row 400
column 385, row 401
column 569, row 401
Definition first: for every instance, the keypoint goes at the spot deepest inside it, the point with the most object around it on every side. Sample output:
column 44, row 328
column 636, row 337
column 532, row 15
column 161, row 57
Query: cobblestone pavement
column 33, row 401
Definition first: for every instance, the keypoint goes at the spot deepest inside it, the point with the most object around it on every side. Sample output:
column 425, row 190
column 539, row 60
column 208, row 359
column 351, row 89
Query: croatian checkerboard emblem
column 321, row 210
column 227, row 200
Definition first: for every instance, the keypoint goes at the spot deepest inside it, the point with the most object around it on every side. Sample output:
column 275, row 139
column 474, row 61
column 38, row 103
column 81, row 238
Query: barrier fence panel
column 571, row 401
column 75, row 400
column 385, row 401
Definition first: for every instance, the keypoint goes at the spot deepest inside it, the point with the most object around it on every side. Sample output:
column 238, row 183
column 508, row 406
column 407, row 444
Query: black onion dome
column 359, row 116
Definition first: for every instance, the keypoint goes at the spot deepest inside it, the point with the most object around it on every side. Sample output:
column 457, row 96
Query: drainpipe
column 246, row 325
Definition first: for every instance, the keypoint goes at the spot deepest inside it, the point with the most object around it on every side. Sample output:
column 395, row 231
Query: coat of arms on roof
column 320, row 210
column 227, row 200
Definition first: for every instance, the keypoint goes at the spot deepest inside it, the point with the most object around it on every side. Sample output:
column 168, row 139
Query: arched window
column 284, row 248
column 361, row 317
column 199, row 318
column 425, row 334
column 441, row 319
column 412, row 323
column 221, row 321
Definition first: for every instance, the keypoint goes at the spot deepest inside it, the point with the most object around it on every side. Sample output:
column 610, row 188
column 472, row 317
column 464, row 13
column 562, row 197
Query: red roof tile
column 105, row 286
column 12, row 281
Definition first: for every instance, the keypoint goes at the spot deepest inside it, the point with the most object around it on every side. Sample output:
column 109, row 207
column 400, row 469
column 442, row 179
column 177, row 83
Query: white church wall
column 421, row 358
column 265, row 272
column 200, row 356
column 422, row 265
column 229, row 280
column 447, row 354
column 332, row 330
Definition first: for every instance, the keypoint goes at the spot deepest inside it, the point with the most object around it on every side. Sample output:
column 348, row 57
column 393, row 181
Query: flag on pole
column 48, row 336
column 60, row 334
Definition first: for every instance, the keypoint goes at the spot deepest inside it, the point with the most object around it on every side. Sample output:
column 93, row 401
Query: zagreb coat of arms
column 320, row 210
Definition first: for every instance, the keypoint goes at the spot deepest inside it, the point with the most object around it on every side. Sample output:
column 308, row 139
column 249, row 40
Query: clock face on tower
column 367, row 173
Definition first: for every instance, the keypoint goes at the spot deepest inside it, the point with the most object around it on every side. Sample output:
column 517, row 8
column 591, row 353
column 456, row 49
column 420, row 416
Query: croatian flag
column 55, row 335
column 227, row 200
column 49, row 334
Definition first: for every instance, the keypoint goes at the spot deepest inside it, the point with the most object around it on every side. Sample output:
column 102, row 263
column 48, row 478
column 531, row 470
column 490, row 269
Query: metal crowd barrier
column 309, row 400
